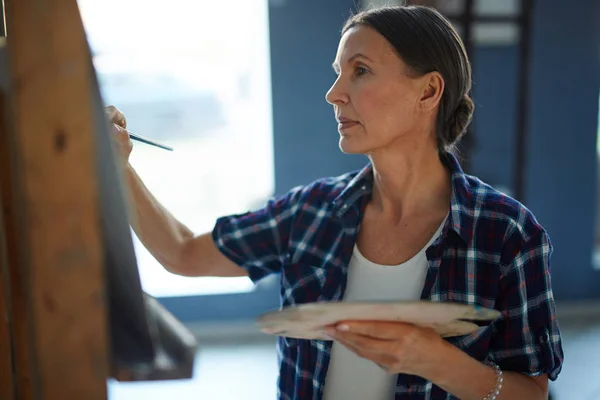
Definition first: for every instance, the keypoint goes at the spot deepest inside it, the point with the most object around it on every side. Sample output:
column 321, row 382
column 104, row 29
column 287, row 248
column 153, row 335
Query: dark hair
column 426, row 42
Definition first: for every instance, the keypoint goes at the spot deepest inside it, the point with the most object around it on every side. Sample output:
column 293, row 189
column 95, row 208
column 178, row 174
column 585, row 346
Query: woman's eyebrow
column 336, row 65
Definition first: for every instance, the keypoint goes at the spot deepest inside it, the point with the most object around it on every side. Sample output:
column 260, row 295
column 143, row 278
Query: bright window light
column 195, row 76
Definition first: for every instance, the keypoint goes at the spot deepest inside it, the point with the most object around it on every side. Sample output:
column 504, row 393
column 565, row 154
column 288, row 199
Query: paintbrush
column 142, row 139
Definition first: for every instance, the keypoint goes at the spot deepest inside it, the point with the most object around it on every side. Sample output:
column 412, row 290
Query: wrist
column 128, row 175
column 435, row 368
column 458, row 373
column 126, row 168
column 495, row 391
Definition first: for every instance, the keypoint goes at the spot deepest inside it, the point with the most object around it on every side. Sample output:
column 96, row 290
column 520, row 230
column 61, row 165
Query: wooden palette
column 308, row 321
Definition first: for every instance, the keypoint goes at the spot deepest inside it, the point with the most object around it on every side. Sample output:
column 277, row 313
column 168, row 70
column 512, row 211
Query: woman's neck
column 409, row 182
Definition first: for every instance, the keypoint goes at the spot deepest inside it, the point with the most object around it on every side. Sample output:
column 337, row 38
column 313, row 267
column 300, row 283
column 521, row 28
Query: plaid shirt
column 491, row 252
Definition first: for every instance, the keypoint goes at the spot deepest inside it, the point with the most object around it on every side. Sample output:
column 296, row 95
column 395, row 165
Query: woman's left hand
column 396, row 347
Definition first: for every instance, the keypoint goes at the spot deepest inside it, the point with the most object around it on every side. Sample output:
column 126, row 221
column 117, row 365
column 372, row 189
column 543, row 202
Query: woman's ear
column 432, row 90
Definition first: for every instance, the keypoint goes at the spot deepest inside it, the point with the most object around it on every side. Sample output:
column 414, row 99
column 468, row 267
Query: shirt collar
column 460, row 218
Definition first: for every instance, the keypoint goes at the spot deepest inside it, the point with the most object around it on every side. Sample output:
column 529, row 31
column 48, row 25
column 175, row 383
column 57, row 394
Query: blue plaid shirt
column 491, row 252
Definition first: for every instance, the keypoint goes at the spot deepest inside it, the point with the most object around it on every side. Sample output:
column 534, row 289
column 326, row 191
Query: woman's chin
column 350, row 146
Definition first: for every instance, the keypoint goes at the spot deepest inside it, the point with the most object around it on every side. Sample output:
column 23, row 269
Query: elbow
column 177, row 262
column 173, row 268
column 179, row 268
column 182, row 263
column 544, row 393
column 172, row 265
column 540, row 383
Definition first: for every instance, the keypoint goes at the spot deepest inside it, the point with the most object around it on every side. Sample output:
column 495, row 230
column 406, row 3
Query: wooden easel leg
column 7, row 361
column 7, row 390
column 15, row 346
column 55, row 250
column 6, row 353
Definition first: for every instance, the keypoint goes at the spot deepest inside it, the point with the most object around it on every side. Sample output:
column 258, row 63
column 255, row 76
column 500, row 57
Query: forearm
column 160, row 232
column 468, row 379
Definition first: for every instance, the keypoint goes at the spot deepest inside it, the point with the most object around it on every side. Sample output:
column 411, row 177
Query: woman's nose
column 336, row 94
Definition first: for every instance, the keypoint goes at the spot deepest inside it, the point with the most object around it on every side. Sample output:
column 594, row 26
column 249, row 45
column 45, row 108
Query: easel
column 70, row 315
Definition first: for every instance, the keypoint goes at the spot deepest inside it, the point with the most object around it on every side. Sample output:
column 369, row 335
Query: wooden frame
column 56, row 271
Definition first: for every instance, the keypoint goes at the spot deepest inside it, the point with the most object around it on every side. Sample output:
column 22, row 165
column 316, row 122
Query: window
column 192, row 74
column 495, row 22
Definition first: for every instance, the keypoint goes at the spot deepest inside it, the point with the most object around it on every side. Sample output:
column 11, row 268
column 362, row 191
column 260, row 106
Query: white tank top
column 349, row 376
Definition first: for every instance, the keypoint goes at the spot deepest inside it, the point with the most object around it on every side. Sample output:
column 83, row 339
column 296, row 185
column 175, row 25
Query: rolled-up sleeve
column 527, row 337
column 258, row 241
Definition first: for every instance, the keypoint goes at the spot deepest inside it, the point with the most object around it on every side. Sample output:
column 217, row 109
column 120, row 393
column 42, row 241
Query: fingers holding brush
column 119, row 122
column 114, row 115
column 124, row 143
column 118, row 132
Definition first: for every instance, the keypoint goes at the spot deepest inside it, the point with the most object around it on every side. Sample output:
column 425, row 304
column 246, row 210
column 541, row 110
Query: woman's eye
column 361, row 71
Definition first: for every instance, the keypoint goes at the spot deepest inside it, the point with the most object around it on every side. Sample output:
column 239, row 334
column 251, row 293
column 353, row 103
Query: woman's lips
column 346, row 125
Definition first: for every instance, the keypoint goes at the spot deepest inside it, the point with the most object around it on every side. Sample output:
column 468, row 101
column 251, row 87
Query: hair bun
column 458, row 122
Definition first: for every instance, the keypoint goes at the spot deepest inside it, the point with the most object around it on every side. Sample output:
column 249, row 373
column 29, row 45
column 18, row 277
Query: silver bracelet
column 493, row 394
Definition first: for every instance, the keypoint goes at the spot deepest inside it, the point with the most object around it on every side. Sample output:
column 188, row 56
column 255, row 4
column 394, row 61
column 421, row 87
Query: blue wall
column 304, row 38
column 562, row 161
column 561, row 167
column 494, row 94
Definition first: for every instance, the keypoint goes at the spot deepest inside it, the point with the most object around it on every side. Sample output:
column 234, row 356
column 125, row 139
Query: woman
column 410, row 225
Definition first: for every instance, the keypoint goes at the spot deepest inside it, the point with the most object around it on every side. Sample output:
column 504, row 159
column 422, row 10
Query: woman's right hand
column 118, row 124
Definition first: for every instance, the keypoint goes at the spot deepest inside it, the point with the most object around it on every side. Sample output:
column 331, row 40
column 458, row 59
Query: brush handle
column 142, row 139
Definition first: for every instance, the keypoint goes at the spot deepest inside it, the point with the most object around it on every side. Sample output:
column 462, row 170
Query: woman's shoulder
column 489, row 206
column 325, row 189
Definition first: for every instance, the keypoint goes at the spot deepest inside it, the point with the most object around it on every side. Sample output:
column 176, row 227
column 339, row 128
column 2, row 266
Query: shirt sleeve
column 258, row 240
column 527, row 337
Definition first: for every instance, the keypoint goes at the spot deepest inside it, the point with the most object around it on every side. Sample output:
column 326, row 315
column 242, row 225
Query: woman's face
column 377, row 101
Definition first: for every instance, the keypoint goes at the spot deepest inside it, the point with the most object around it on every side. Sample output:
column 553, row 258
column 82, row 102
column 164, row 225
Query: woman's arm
column 170, row 241
column 254, row 243
column 167, row 239
column 466, row 378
